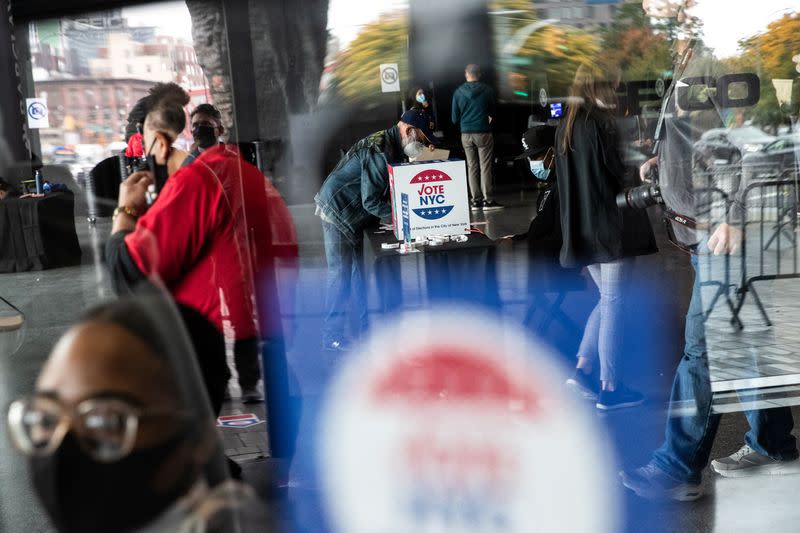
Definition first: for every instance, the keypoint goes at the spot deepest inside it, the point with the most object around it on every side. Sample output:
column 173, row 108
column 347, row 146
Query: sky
column 723, row 24
column 347, row 17
column 176, row 13
column 727, row 21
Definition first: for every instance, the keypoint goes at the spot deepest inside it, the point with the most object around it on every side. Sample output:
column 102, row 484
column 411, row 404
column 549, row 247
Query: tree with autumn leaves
column 356, row 69
column 533, row 53
column 769, row 54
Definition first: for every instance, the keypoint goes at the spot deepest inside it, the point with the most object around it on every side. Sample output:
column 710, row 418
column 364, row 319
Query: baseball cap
column 537, row 140
column 420, row 120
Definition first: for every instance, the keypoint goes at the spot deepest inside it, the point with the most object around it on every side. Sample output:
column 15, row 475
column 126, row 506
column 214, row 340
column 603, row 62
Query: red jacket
column 209, row 237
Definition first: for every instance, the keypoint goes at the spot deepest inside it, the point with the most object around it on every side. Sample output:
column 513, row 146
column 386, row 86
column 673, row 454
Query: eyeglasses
column 105, row 428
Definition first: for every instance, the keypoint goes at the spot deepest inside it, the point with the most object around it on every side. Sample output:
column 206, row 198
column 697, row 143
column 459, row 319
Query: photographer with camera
column 675, row 469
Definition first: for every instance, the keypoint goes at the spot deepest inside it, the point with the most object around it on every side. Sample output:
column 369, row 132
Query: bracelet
column 130, row 211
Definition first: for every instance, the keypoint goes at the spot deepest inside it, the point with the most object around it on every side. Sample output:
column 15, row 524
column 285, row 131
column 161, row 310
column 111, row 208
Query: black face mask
column 204, row 135
column 84, row 496
column 160, row 172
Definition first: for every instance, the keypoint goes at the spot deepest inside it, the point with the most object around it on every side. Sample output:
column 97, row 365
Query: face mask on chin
column 83, row 496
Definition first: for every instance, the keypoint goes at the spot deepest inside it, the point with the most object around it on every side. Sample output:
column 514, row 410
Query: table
column 38, row 233
column 465, row 272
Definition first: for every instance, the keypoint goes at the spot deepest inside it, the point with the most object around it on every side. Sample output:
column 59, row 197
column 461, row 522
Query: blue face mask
column 421, row 98
column 539, row 171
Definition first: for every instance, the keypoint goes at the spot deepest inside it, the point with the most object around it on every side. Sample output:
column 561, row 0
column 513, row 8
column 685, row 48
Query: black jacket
column 545, row 274
column 590, row 175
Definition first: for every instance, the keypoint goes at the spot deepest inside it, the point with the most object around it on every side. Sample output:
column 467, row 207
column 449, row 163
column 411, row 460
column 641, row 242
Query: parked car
column 774, row 159
column 727, row 146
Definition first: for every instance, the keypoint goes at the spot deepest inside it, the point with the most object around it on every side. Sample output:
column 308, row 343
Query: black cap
column 420, row 120
column 537, row 140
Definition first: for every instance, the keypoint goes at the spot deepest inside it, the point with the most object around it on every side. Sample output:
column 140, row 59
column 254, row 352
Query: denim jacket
column 357, row 190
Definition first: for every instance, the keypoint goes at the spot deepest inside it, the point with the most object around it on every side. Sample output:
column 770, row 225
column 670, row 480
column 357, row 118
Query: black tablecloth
column 453, row 271
column 38, row 233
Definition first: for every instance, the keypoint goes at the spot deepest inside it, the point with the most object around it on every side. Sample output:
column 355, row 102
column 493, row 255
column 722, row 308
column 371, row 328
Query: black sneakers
column 618, row 399
column 251, row 395
column 476, row 205
column 492, row 206
column 584, row 385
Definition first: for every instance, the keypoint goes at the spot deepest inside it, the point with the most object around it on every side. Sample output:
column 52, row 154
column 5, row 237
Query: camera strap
column 676, row 76
column 683, row 220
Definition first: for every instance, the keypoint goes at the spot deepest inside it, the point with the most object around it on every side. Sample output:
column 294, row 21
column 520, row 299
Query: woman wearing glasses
column 119, row 434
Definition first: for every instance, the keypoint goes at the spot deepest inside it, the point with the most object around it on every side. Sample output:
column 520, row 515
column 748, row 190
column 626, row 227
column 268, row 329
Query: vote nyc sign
column 430, row 198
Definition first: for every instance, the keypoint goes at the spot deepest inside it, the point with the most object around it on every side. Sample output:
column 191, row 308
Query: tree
column 356, row 69
column 535, row 54
column 636, row 46
column 769, row 54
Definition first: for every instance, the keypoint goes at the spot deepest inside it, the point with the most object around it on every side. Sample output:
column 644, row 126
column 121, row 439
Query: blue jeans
column 345, row 273
column 605, row 329
column 688, row 438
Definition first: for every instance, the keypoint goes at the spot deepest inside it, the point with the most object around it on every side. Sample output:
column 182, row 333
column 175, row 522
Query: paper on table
column 432, row 155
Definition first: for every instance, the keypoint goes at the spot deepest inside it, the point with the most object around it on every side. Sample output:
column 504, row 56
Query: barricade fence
column 769, row 224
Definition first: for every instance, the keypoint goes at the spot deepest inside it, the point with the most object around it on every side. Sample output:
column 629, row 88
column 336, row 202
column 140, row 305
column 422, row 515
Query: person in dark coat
column 595, row 233
column 543, row 237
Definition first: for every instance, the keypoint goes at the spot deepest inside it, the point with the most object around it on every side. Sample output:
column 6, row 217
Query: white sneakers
column 747, row 462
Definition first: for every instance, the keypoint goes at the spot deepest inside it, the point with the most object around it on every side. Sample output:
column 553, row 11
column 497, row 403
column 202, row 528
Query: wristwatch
column 130, row 211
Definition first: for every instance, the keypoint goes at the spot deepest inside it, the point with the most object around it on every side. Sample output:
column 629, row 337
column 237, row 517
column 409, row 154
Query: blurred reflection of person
column 115, row 443
column 354, row 195
column 675, row 469
column 473, row 110
column 596, row 234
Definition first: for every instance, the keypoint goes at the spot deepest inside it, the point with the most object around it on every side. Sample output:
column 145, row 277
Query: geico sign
column 695, row 93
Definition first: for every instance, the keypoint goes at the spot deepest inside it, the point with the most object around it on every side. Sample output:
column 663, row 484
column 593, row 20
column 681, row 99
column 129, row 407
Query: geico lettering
column 634, row 93
column 747, row 85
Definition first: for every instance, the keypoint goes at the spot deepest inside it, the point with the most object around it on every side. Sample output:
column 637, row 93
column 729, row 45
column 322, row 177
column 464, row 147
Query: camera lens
column 640, row 197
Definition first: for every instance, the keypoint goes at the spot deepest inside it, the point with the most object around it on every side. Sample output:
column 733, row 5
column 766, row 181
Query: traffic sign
column 37, row 113
column 390, row 78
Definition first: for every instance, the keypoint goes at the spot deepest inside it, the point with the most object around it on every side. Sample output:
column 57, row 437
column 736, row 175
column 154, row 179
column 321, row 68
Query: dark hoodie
column 473, row 104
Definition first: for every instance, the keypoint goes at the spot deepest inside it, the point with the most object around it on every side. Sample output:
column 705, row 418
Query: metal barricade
column 712, row 193
column 770, row 225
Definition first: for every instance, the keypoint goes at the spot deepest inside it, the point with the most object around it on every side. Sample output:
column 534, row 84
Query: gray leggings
column 604, row 332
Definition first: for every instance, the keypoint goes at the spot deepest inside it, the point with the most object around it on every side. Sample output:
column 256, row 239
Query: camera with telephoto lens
column 643, row 196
